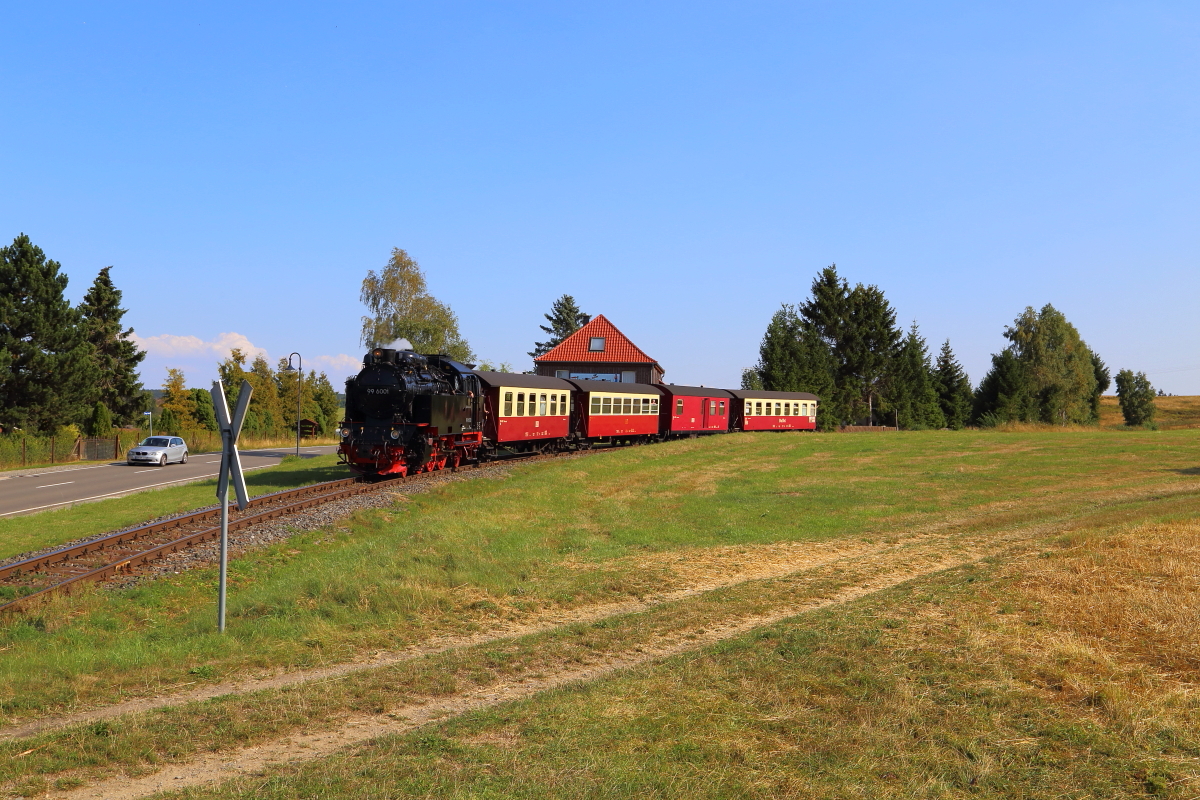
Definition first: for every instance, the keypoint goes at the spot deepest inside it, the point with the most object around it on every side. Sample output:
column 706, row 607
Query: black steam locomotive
column 408, row 413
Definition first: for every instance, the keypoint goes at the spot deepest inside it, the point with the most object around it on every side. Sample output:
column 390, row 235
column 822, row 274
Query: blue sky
column 682, row 168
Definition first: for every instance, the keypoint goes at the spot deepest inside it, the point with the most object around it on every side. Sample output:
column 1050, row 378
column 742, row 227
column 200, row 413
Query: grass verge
column 27, row 533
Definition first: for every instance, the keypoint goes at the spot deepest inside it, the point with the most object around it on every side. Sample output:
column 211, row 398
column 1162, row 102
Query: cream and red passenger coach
column 609, row 410
column 757, row 410
column 530, row 409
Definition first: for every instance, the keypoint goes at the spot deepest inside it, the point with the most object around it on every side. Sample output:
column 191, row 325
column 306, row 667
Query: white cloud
column 168, row 345
column 195, row 355
column 336, row 367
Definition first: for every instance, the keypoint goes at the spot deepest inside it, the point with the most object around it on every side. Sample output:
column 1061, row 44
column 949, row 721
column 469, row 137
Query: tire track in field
column 296, row 749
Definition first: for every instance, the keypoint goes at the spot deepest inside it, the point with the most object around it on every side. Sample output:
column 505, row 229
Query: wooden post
column 22, row 451
column 52, row 438
column 116, row 447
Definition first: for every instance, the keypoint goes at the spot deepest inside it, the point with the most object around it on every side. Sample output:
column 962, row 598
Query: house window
column 606, row 405
column 562, row 373
column 596, row 344
column 520, row 404
column 508, row 404
column 595, row 404
column 629, row 377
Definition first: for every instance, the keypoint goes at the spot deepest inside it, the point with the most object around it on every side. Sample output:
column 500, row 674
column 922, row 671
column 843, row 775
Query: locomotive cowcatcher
column 408, row 413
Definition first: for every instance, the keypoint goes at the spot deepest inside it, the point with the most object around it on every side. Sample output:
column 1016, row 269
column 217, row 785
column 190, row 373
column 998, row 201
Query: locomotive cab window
column 508, row 404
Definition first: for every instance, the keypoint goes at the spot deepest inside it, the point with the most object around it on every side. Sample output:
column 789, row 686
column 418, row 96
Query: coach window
column 562, row 404
column 606, row 405
column 758, row 408
column 508, row 404
column 721, row 409
column 678, row 406
column 595, row 404
column 637, row 405
column 554, row 405
column 542, row 407
column 628, row 403
column 520, row 404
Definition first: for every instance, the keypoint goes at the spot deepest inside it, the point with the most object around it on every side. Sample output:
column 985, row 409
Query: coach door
column 705, row 412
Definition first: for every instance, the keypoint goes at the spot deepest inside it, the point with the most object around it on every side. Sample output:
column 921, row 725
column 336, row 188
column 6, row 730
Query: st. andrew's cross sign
column 231, row 472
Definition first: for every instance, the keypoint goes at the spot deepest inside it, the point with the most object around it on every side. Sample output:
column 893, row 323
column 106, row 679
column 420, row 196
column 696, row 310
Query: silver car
column 160, row 450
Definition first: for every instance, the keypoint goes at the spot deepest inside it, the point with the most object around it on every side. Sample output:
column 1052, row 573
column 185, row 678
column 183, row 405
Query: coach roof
column 694, row 391
column 520, row 380
column 612, row 387
column 758, row 394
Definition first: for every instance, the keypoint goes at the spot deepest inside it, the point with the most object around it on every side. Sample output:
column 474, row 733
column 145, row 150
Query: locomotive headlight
column 395, row 434
column 345, row 432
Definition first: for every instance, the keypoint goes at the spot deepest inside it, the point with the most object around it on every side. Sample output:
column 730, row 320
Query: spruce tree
column 1103, row 381
column 118, row 385
column 867, row 348
column 49, row 371
column 1004, row 394
column 793, row 358
column 565, row 318
column 953, row 388
column 101, row 422
column 914, row 396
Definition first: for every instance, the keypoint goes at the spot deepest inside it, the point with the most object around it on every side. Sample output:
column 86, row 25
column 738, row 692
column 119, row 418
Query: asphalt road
column 25, row 494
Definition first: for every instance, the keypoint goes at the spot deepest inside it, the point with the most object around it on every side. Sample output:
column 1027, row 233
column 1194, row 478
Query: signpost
column 231, row 472
column 150, row 414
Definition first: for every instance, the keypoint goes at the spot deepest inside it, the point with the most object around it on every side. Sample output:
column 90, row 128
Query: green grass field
column 977, row 599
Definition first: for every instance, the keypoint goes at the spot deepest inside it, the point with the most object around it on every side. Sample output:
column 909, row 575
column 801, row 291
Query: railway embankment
column 955, row 611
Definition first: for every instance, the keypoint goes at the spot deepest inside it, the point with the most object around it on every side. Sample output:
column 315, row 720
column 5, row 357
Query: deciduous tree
column 178, row 399
column 401, row 307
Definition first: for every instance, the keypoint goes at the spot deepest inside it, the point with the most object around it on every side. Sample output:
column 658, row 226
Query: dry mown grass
column 1171, row 413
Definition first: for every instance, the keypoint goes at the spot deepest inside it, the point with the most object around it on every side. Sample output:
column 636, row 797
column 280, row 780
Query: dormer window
column 596, row 344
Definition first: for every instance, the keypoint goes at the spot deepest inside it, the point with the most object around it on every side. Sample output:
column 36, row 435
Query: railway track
column 59, row 571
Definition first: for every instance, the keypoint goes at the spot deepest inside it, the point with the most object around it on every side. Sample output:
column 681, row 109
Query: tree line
column 843, row 345
column 62, row 365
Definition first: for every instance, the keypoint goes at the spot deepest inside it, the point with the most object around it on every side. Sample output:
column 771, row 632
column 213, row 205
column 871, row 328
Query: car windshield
column 156, row 441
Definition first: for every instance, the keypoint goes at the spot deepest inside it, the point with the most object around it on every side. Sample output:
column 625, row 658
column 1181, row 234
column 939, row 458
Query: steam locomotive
column 408, row 413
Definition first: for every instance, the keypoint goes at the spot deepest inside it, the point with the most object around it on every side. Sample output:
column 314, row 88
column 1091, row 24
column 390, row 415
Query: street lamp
column 299, row 379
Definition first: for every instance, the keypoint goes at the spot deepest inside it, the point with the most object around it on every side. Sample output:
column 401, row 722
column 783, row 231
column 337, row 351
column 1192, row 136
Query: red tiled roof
column 617, row 347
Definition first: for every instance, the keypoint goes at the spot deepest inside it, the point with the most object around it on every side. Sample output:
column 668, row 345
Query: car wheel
column 162, row 460
column 184, row 459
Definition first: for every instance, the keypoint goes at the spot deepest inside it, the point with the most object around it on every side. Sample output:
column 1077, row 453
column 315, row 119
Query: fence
column 17, row 450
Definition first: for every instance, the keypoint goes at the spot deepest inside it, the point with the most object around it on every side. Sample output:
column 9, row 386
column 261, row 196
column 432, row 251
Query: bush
column 1136, row 396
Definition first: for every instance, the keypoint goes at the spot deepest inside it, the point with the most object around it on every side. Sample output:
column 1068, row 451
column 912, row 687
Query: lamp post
column 299, row 380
